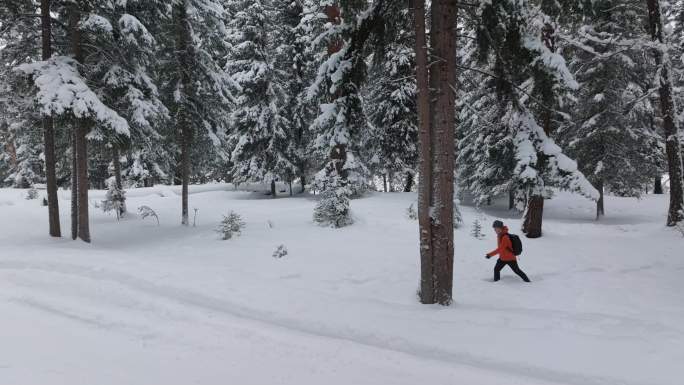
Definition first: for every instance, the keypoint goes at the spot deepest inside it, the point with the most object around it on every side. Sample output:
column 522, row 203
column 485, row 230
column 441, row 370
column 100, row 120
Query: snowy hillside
column 147, row 304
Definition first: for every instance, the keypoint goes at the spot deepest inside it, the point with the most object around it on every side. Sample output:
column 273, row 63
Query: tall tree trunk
column 338, row 154
column 443, row 38
column 183, row 56
column 534, row 214
column 511, row 199
column 427, row 283
column 273, row 189
column 49, row 130
column 667, row 107
column 74, row 185
column 658, row 185
column 390, row 178
column 302, row 181
column 81, row 130
column 600, row 209
column 384, row 182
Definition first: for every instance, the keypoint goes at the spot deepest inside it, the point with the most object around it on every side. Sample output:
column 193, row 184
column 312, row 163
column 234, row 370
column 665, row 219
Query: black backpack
column 516, row 244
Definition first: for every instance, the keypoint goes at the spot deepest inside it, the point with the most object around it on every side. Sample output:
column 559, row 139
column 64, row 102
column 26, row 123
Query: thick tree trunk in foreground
column 667, row 107
column 436, row 137
column 49, row 130
column 425, row 160
column 80, row 145
column 183, row 56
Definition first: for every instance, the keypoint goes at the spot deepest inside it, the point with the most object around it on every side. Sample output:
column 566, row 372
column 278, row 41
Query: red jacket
column 504, row 248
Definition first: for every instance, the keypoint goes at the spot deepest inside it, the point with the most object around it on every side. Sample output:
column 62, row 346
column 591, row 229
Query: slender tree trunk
column 390, row 178
column 511, row 199
column 600, row 210
column 49, row 130
column 408, row 185
column 74, row 185
column 273, row 189
column 117, row 177
column 384, row 182
column 81, row 130
column 117, row 167
column 302, row 181
column 183, row 56
column 668, row 110
column 427, row 283
column 443, row 37
column 289, row 182
column 658, row 185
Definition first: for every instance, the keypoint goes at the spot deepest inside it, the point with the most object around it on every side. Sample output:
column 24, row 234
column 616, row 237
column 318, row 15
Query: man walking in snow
column 505, row 252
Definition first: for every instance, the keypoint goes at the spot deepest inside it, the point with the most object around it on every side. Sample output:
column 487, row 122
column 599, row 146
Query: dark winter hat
column 498, row 224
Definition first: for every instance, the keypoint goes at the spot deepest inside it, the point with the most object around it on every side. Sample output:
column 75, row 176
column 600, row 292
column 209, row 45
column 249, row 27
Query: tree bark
column 74, row 185
column 658, row 185
column 600, row 209
column 443, row 38
column 183, row 56
column 384, row 182
column 117, row 167
column 425, row 156
column 49, row 130
column 273, row 189
column 302, row 181
column 81, row 130
column 532, row 226
column 511, row 199
column 408, row 185
column 667, row 107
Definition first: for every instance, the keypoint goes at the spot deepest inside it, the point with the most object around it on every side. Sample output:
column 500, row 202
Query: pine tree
column 259, row 130
column 610, row 134
column 391, row 101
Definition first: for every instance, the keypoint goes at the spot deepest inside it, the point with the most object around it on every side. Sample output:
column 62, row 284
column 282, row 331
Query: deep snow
column 169, row 305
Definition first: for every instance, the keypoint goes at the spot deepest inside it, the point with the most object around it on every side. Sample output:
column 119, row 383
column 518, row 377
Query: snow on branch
column 562, row 171
column 61, row 89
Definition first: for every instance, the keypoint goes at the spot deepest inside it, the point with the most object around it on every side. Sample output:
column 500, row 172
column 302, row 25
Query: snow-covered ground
column 147, row 304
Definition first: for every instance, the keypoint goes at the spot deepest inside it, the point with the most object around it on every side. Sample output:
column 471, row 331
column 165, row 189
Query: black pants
column 514, row 266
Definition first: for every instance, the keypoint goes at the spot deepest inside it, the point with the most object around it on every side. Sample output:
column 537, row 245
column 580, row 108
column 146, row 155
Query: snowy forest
column 377, row 137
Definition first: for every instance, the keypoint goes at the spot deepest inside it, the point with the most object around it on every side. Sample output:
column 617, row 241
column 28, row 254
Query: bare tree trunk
column 511, row 199
column 384, row 182
column 667, row 107
column 600, row 210
column 74, row 185
column 289, row 182
column 427, row 284
column 658, row 185
column 116, row 161
column 81, row 130
column 183, row 47
column 273, row 189
column 49, row 130
column 408, row 185
column 302, row 181
column 117, row 177
column 532, row 226
column 443, row 38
